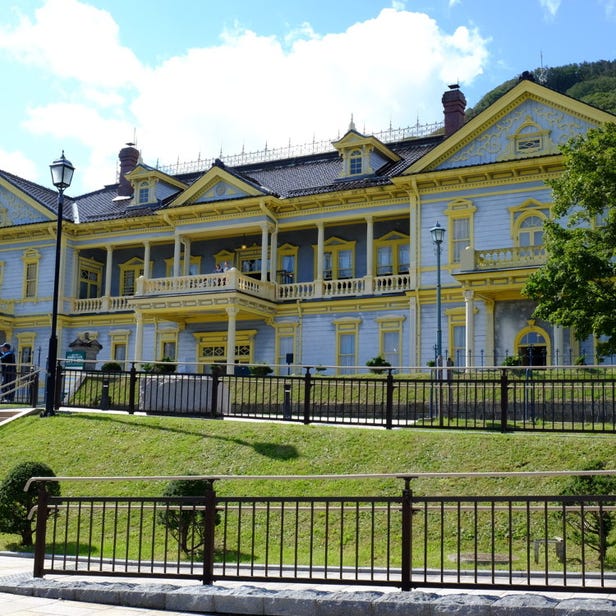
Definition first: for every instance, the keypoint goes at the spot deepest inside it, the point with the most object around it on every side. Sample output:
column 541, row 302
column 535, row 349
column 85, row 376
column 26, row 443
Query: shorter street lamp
column 61, row 176
column 438, row 233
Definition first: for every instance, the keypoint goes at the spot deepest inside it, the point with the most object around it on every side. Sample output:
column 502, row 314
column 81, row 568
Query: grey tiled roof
column 287, row 178
column 47, row 197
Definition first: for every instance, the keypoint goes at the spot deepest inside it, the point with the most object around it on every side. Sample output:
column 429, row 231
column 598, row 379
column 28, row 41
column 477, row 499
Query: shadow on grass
column 275, row 451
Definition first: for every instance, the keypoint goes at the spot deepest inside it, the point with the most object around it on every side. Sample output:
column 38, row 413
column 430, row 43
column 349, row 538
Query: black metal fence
column 508, row 398
column 404, row 540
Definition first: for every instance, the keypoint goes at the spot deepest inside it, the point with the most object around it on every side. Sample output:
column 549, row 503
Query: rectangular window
column 391, row 347
column 31, row 279
column 461, row 237
column 168, row 350
column 403, row 258
column 346, row 352
column 285, row 347
column 384, row 261
column 119, row 351
column 345, row 264
column 459, row 345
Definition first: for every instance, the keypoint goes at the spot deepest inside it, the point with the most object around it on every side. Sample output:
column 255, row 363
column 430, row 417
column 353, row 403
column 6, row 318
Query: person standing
column 9, row 372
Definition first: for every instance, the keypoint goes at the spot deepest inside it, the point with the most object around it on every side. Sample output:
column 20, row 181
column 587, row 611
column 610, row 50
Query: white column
column 558, row 352
column 146, row 260
column 138, row 351
column 108, row 271
column 186, row 268
column 413, row 339
column 231, row 328
column 320, row 250
column 274, row 255
column 264, row 251
column 469, row 322
column 489, row 358
column 369, row 246
column 177, row 251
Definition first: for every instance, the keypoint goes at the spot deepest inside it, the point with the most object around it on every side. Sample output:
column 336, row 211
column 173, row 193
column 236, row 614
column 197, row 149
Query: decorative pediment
column 151, row 185
column 219, row 184
column 362, row 154
column 528, row 121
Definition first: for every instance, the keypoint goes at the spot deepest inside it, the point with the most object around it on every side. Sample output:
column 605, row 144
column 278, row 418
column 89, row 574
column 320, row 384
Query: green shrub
column 111, row 366
column 166, row 367
column 260, row 370
column 512, row 360
column 187, row 526
column 377, row 364
column 15, row 504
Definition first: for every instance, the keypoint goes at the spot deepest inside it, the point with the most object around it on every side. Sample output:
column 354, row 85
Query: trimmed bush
column 15, row 504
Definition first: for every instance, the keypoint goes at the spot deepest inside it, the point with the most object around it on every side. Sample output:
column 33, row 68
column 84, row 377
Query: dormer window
column 355, row 162
column 143, row 196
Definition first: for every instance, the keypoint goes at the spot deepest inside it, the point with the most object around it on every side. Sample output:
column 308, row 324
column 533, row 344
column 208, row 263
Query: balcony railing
column 233, row 280
column 502, row 258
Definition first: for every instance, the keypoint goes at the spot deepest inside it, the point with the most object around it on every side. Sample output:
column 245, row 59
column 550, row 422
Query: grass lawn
column 96, row 444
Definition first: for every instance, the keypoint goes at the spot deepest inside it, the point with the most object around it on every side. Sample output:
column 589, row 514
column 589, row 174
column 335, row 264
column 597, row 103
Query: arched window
column 530, row 231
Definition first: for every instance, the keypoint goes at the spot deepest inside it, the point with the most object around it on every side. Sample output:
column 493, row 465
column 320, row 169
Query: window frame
column 31, row 258
column 459, row 209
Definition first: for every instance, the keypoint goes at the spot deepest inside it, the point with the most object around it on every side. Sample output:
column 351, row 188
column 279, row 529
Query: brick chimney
column 454, row 104
column 129, row 158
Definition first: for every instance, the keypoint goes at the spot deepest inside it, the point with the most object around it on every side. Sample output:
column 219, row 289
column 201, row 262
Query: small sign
column 75, row 360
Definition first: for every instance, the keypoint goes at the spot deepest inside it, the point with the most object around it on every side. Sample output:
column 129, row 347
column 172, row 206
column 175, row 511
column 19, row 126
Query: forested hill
column 591, row 82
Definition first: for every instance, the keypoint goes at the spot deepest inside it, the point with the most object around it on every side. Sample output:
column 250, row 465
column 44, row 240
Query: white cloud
column 254, row 90
column 73, row 40
column 17, row 164
column 550, row 7
column 244, row 92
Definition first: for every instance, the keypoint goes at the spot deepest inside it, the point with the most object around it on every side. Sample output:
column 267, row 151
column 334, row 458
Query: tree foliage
column 576, row 287
column 594, row 525
column 15, row 504
column 186, row 522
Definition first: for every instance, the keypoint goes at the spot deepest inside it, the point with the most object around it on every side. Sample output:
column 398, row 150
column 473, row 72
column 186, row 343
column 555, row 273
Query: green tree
column 577, row 285
column 186, row 523
column 15, row 504
column 593, row 525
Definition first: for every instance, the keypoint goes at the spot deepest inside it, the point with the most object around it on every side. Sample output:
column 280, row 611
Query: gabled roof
column 45, row 197
column 495, row 118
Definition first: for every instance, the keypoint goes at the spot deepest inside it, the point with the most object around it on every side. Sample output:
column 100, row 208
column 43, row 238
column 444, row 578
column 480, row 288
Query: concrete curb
column 252, row 600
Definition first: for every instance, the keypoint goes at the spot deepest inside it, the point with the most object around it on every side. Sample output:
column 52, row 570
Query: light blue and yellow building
column 326, row 257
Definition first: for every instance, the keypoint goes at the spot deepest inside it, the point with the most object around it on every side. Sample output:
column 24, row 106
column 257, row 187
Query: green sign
column 75, row 360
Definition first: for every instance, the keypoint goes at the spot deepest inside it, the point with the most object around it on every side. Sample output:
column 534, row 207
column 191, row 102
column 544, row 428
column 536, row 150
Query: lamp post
column 438, row 233
column 61, row 176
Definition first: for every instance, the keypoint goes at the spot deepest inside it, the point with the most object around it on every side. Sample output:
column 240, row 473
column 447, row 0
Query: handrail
column 421, row 475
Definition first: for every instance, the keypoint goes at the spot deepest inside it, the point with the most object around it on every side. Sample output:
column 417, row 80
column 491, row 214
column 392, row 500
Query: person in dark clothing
column 9, row 372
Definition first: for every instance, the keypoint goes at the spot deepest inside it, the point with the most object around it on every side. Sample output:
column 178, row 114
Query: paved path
column 18, row 568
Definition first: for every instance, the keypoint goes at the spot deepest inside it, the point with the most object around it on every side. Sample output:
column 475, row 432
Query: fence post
column 406, row 536
column 215, row 382
column 132, row 387
column 307, row 387
column 60, row 376
column 34, row 385
column 504, row 382
column 389, row 400
column 42, row 511
column 209, row 521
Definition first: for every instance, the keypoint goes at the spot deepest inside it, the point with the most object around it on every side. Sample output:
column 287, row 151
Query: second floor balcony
column 233, row 281
column 502, row 258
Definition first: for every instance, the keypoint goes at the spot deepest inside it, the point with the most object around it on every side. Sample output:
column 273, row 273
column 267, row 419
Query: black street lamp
column 61, row 176
column 438, row 233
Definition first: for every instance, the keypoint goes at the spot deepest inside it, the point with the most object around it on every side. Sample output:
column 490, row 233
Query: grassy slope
column 97, row 444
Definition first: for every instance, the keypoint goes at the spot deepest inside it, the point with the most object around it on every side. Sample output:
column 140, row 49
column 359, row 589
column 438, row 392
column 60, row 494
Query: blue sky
column 193, row 78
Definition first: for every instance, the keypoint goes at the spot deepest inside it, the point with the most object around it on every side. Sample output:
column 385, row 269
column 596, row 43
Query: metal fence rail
column 564, row 399
column 560, row 543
